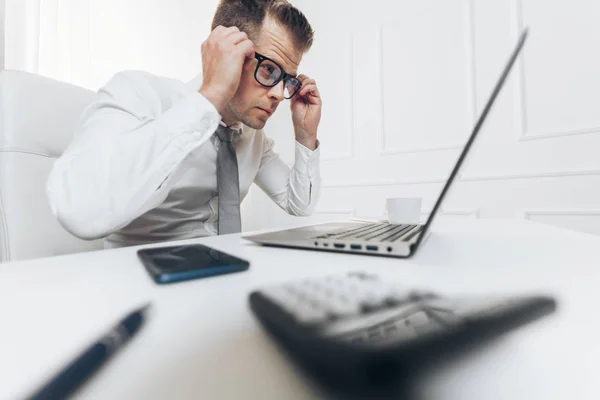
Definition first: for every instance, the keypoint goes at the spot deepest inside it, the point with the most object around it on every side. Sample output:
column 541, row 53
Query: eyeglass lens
column 269, row 74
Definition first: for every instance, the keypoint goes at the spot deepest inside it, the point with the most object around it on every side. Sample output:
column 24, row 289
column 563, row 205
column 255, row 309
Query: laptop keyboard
column 380, row 232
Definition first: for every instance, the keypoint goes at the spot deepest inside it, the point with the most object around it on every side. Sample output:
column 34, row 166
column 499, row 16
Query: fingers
column 232, row 33
column 218, row 30
column 237, row 37
column 226, row 37
column 218, row 37
column 223, row 32
column 303, row 78
column 309, row 92
column 309, row 95
column 307, row 82
column 246, row 47
column 309, row 87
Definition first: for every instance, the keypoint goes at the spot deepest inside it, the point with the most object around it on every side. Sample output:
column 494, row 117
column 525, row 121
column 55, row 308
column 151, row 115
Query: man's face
column 253, row 104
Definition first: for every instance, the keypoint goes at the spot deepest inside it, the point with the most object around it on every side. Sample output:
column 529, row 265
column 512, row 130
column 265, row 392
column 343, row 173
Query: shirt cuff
column 306, row 150
column 309, row 158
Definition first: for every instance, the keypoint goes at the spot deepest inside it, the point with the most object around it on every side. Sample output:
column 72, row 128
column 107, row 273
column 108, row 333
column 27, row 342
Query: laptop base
column 312, row 238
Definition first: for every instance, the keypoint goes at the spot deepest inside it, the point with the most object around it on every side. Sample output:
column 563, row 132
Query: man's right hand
column 223, row 57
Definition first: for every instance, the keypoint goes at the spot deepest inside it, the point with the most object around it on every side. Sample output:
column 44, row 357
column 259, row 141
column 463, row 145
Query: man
column 154, row 159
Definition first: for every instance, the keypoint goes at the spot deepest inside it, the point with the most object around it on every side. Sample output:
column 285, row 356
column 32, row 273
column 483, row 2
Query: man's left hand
column 306, row 112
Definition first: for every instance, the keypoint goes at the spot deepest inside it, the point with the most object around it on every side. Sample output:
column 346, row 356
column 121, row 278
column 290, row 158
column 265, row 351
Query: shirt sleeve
column 296, row 190
column 126, row 155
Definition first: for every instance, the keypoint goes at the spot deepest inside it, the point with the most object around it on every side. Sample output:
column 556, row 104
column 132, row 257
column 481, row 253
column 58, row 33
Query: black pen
column 91, row 359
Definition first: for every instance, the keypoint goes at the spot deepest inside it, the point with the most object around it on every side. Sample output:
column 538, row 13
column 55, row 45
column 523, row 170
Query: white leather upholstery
column 37, row 116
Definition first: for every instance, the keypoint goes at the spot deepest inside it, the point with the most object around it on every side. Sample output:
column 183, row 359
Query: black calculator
column 358, row 331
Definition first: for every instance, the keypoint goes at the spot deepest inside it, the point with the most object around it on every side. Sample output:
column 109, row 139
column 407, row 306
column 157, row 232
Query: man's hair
column 248, row 16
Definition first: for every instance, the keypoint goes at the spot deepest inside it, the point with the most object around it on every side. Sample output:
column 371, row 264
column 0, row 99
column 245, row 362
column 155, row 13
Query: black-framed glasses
column 268, row 73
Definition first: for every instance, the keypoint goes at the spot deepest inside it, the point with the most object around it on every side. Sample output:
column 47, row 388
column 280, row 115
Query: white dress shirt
column 142, row 165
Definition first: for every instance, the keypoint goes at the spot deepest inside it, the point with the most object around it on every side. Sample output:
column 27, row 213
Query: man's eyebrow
column 295, row 74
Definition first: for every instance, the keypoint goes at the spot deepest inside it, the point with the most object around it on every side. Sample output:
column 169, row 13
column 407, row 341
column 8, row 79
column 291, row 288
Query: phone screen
column 173, row 263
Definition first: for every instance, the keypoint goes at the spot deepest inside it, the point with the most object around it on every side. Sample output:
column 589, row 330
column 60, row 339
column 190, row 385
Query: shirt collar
column 236, row 127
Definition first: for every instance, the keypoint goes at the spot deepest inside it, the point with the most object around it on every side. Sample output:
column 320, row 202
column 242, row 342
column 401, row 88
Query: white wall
column 2, row 34
column 85, row 42
column 21, row 34
column 403, row 81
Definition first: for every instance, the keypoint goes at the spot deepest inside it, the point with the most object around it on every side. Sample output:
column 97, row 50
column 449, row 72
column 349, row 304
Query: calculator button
column 361, row 275
column 310, row 315
column 302, row 292
column 417, row 319
column 281, row 296
column 371, row 301
column 442, row 304
column 339, row 308
column 334, row 280
column 418, row 295
column 399, row 296
column 374, row 296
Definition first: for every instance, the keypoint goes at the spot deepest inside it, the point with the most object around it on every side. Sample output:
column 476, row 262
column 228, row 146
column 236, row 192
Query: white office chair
column 37, row 116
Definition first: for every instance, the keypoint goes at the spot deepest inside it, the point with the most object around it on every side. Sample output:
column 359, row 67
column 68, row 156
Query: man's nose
column 276, row 92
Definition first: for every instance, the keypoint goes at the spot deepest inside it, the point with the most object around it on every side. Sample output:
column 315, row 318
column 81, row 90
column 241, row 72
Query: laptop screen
column 476, row 130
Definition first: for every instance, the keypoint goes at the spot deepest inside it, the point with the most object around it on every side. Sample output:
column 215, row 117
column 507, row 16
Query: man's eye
column 265, row 72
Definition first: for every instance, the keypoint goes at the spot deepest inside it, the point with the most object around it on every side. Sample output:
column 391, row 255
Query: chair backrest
column 37, row 118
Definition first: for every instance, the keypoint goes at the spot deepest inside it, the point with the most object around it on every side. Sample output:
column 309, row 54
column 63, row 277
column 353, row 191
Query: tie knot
column 225, row 134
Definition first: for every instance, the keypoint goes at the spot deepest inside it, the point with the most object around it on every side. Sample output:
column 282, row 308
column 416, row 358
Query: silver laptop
column 383, row 239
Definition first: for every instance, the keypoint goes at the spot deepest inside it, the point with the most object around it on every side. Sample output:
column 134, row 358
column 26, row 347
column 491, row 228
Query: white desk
column 201, row 342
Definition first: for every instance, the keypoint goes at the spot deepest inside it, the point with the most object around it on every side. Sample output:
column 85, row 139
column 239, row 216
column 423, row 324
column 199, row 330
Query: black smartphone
column 180, row 263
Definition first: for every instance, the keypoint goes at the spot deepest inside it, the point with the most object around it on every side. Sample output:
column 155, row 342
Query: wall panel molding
column 471, row 90
column 525, row 134
column 459, row 212
column 527, row 214
column 2, row 44
column 350, row 140
column 336, row 211
column 582, row 220
column 475, row 178
column 389, row 152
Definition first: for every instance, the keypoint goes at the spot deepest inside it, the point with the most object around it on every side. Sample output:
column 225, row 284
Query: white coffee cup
column 403, row 210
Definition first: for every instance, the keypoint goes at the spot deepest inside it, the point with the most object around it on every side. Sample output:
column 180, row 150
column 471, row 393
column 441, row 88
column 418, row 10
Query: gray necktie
column 228, row 183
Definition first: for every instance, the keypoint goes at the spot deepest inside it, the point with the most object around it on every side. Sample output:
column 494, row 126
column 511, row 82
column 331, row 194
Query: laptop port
column 326, row 244
column 316, row 243
column 389, row 249
column 372, row 248
column 339, row 245
column 355, row 246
